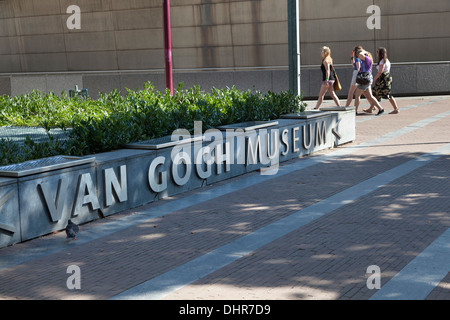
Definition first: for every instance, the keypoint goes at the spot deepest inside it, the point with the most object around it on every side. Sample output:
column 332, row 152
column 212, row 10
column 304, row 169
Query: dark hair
column 355, row 50
column 382, row 54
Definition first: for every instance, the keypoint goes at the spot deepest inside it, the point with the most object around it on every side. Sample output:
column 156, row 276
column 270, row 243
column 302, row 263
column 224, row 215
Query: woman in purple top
column 356, row 66
column 366, row 66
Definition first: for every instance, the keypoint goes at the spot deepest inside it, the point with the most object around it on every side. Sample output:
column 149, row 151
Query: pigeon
column 71, row 230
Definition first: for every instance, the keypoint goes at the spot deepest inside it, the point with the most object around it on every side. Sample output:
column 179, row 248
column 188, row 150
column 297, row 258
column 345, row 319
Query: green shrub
column 113, row 120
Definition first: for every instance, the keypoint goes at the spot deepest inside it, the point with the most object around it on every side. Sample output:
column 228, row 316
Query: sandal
column 369, row 110
column 394, row 112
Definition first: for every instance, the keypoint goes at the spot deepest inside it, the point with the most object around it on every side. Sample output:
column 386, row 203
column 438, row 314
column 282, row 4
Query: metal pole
column 294, row 46
column 168, row 46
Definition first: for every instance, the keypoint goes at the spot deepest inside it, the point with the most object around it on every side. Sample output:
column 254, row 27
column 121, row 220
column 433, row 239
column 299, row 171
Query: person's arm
column 358, row 65
column 380, row 71
column 327, row 68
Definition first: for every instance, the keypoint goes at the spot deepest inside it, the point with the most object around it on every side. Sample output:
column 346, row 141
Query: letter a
column 74, row 281
column 374, row 21
column 374, row 281
column 74, row 21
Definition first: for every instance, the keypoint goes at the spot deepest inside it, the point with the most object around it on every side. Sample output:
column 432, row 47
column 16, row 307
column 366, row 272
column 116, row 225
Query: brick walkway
column 326, row 258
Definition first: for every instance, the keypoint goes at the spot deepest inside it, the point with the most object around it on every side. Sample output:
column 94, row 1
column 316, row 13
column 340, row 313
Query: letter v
column 55, row 207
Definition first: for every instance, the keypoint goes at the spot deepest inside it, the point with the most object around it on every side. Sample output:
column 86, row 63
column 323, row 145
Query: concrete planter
column 42, row 199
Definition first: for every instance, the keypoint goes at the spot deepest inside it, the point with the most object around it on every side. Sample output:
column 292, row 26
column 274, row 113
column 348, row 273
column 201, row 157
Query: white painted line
column 421, row 275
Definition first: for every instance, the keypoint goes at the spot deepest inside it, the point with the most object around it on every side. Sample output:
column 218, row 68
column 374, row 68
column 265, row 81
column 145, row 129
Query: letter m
column 321, row 134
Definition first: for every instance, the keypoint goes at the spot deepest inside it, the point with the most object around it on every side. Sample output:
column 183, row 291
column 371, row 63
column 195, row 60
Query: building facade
column 101, row 45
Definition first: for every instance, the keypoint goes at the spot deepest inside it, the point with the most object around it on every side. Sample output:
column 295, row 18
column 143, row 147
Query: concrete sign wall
column 41, row 201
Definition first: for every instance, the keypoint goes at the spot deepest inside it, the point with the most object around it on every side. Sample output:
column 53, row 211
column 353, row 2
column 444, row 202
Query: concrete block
column 121, row 179
column 314, row 10
column 433, row 78
column 58, row 83
column 404, row 79
column 8, row 27
column 204, row 36
column 26, row 84
column 253, row 80
column 6, row 9
column 280, row 80
column 95, row 61
column 140, row 59
column 146, row 18
column 5, row 86
column 10, row 63
column 90, row 41
column 100, row 83
column 33, row 24
column 45, row 62
column 49, row 199
column 43, row 43
column 139, row 39
column 343, row 125
column 9, row 212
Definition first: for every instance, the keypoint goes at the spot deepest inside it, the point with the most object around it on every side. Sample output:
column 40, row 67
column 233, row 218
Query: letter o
column 186, row 159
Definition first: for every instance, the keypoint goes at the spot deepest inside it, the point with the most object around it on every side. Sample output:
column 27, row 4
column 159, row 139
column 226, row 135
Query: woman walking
column 328, row 78
column 356, row 66
column 366, row 67
column 383, row 81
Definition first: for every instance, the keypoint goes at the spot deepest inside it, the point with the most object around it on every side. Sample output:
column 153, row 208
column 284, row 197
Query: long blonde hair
column 368, row 53
column 327, row 55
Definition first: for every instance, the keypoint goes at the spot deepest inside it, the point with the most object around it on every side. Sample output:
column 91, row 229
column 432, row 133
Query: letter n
column 112, row 183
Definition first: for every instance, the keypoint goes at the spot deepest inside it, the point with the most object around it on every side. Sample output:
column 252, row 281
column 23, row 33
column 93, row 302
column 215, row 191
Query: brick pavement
column 325, row 259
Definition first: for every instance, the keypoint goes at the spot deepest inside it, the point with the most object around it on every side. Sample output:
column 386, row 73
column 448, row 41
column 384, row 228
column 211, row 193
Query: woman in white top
column 383, row 81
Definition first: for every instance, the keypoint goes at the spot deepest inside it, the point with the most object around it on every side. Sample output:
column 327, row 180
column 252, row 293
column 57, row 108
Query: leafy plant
column 113, row 120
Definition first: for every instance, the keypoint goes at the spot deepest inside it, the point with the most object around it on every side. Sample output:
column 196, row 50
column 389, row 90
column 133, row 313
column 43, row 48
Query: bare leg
column 334, row 96
column 372, row 105
column 357, row 99
column 351, row 91
column 374, row 101
column 323, row 90
column 394, row 105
